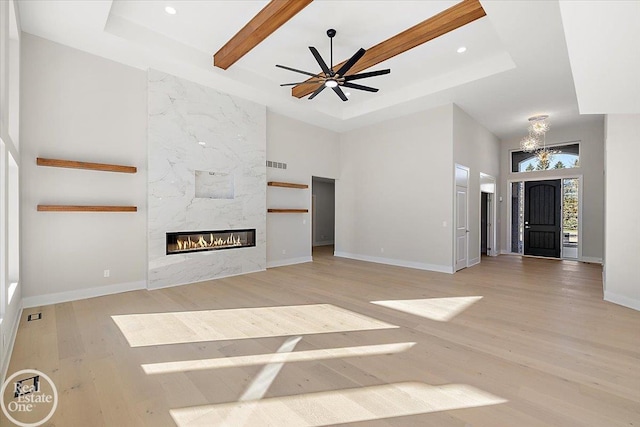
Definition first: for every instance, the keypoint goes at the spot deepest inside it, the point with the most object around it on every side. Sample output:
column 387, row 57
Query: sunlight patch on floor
column 261, row 383
column 241, row 323
column 261, row 359
column 440, row 309
column 339, row 406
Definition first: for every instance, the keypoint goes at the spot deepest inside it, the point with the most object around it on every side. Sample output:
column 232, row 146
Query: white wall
column 325, row 215
column 394, row 197
column 308, row 151
column 622, row 223
column 479, row 150
column 10, row 280
column 591, row 137
column 81, row 107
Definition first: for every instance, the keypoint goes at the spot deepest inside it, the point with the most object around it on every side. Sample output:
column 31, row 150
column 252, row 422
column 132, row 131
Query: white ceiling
column 602, row 39
column 516, row 64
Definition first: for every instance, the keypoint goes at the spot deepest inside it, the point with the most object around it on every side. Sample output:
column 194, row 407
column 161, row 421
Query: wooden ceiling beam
column 261, row 26
column 448, row 20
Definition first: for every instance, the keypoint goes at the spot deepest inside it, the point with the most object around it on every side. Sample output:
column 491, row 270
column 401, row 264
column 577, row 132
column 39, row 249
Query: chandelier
column 535, row 142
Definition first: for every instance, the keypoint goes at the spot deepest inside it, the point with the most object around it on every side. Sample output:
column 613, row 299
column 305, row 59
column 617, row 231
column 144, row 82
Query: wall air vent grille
column 276, row 165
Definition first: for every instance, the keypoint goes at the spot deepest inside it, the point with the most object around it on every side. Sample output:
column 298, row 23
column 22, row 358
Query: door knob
column 467, row 231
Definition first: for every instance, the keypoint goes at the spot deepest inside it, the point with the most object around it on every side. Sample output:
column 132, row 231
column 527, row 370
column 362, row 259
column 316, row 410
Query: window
column 564, row 157
column 3, row 245
column 570, row 217
column 12, row 218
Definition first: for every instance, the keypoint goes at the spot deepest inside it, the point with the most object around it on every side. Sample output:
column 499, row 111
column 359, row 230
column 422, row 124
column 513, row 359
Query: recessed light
column 461, row 49
column 202, row 143
column 170, row 10
column 347, row 94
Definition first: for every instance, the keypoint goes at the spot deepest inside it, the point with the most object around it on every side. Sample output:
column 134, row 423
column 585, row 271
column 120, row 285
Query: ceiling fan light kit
column 335, row 79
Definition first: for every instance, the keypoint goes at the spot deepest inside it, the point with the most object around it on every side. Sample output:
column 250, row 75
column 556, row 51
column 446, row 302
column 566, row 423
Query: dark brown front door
column 542, row 218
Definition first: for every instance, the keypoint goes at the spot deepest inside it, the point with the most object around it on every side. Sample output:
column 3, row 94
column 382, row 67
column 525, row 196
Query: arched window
column 562, row 157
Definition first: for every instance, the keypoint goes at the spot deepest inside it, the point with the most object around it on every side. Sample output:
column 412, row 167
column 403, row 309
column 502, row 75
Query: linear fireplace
column 212, row 240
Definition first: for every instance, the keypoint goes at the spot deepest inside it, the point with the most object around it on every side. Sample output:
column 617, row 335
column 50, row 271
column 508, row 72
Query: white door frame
column 546, row 178
column 313, row 219
column 461, row 179
column 491, row 237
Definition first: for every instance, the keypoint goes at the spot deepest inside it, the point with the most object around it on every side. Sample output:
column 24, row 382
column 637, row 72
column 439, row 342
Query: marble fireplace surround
column 192, row 128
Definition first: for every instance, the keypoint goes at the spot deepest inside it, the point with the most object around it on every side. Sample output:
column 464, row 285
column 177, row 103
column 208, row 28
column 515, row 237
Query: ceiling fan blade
column 320, row 89
column 340, row 93
column 302, row 83
column 359, row 87
column 351, row 62
column 297, row 71
column 321, row 62
column 367, row 74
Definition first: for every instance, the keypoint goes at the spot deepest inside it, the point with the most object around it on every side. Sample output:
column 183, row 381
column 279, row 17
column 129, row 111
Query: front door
column 542, row 218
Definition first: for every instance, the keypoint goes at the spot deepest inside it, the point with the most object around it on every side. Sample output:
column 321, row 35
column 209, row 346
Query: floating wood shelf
column 286, row 184
column 85, row 165
column 74, row 208
column 287, row 210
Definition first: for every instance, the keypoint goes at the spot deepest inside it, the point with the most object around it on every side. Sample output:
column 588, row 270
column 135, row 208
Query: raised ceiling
column 515, row 65
column 602, row 39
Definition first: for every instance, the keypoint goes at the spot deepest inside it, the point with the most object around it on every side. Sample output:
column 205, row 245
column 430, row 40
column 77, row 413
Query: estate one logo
column 29, row 398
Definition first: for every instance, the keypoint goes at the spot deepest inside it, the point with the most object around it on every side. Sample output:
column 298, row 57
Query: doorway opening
column 485, row 225
column 545, row 218
column 323, row 217
column 487, row 236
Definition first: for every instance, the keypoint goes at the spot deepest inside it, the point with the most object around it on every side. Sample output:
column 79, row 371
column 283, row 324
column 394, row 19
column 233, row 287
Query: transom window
column 564, row 156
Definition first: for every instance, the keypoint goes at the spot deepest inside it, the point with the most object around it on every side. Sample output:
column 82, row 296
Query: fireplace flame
column 187, row 244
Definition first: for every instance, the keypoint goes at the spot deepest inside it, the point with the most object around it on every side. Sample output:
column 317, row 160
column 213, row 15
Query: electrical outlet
column 284, row 252
column 107, row 273
column 381, row 250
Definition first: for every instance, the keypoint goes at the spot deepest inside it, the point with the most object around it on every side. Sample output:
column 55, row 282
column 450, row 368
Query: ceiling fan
column 335, row 79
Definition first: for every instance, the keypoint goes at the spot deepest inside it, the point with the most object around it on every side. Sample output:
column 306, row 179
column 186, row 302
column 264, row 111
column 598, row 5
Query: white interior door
column 462, row 227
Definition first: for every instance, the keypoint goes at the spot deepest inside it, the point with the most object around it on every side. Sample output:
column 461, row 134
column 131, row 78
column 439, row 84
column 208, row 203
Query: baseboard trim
column 590, row 259
column 324, row 243
column 11, row 343
column 289, row 261
column 474, row 261
column 396, row 262
column 622, row 300
column 79, row 294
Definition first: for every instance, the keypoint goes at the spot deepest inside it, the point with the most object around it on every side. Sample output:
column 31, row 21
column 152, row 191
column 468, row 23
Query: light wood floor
column 540, row 347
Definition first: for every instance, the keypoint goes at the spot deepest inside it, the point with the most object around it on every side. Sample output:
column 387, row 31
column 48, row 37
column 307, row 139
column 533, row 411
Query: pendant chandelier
column 535, row 142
